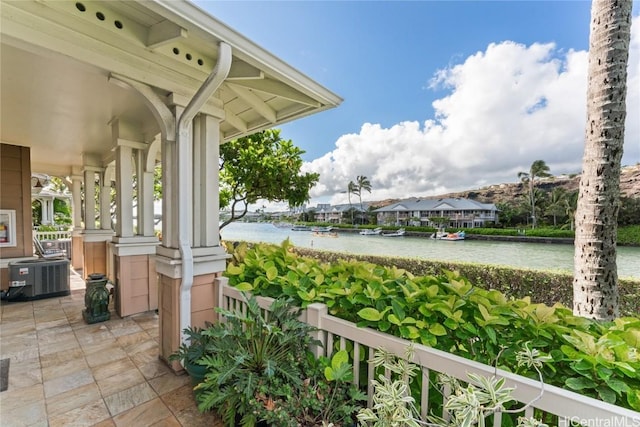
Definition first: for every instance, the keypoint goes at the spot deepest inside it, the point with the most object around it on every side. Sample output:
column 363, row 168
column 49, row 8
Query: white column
column 76, row 201
column 145, row 199
column 89, row 199
column 144, row 209
column 46, row 214
column 206, row 180
column 124, row 191
column 199, row 181
column 105, row 198
column 170, row 186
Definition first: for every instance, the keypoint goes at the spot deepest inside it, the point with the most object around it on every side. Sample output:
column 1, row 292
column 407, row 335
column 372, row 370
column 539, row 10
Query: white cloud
column 507, row 107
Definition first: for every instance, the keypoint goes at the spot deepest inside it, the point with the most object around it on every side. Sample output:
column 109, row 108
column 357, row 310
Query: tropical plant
column 467, row 405
column 595, row 286
column 351, row 189
column 363, row 183
column 393, row 404
column 538, row 169
column 570, row 204
column 191, row 351
column 629, row 213
column 262, row 369
column 508, row 213
column 556, row 203
column 327, row 397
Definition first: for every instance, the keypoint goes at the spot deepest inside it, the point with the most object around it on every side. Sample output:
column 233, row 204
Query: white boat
column 398, row 233
column 282, row 224
column 460, row 235
column 369, row 232
column 300, row 228
column 322, row 229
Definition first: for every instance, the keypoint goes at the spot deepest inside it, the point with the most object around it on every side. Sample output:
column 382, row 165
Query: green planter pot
column 195, row 371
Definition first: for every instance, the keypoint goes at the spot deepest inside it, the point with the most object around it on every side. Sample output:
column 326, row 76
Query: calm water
column 539, row 256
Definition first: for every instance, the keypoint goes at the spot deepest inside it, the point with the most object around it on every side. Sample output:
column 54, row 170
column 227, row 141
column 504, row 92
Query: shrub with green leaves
column 260, row 369
column 547, row 287
column 447, row 312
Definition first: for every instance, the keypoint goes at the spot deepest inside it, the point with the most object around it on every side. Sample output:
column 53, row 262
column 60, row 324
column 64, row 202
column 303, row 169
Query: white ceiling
column 61, row 108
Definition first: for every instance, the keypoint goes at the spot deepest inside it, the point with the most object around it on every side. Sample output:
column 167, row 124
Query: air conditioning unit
column 38, row 278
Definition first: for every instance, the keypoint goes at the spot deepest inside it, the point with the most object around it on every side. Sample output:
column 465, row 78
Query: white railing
column 572, row 409
column 52, row 235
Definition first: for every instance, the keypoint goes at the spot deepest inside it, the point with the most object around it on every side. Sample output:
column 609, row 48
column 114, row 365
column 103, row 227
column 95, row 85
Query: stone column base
column 95, row 251
column 204, row 296
column 135, row 275
column 77, row 251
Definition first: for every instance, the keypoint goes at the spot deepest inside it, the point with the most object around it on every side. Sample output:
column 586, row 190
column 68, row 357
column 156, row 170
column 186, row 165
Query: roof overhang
column 60, row 59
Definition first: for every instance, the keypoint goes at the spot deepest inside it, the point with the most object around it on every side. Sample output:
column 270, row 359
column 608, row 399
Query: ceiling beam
column 254, row 101
column 235, row 121
column 163, row 33
column 240, row 70
column 277, row 88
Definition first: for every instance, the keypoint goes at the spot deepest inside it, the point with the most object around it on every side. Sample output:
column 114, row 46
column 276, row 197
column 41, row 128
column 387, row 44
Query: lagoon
column 535, row 256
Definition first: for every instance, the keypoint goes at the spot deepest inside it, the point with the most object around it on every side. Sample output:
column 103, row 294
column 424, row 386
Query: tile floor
column 64, row 372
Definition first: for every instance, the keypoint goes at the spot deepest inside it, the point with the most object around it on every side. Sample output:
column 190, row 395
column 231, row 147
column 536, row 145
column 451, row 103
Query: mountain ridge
column 500, row 193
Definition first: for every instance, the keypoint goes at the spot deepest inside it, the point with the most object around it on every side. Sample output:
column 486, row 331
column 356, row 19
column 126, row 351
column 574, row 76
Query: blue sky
column 438, row 95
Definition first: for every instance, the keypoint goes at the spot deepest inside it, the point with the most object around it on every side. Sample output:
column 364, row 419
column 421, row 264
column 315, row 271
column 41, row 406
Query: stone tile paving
column 64, row 372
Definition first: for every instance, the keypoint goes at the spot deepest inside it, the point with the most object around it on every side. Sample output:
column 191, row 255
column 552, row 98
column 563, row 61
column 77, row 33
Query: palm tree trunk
column 595, row 285
column 533, row 202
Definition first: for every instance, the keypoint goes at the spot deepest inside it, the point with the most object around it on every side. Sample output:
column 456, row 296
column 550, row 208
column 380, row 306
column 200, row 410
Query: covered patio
column 100, row 93
column 64, row 372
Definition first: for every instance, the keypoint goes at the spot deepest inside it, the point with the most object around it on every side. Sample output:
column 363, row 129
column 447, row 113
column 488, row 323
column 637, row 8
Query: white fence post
column 314, row 314
column 221, row 282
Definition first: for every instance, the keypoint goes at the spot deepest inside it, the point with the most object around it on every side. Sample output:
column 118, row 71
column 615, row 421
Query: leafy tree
column 61, row 212
column 538, row 169
column 308, row 216
column 440, row 221
column 570, row 204
column 262, row 166
column 555, row 204
column 347, row 216
column 629, row 213
column 520, row 210
column 363, row 183
column 507, row 212
column 351, row 189
column 595, row 284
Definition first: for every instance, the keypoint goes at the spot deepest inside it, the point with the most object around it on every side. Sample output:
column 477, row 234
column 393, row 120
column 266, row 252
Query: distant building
column 325, row 212
column 458, row 213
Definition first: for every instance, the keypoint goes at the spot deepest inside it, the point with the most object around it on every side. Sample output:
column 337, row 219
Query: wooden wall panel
column 137, row 284
column 95, row 258
column 15, row 194
column 203, row 299
column 169, row 295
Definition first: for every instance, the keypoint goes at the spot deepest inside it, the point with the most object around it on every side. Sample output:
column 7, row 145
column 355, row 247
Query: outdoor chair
column 49, row 252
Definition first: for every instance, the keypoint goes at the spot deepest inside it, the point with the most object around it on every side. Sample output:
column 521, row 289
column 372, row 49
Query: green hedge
column 541, row 286
column 629, row 235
